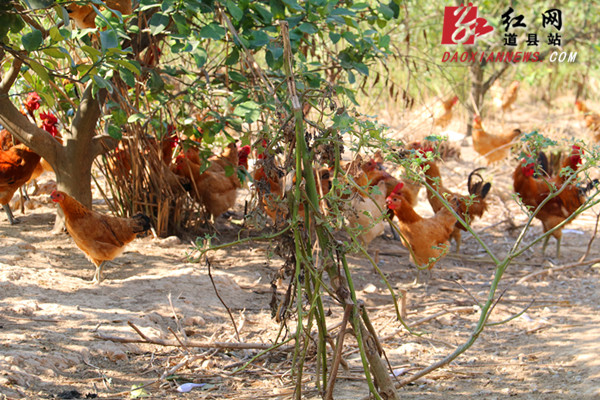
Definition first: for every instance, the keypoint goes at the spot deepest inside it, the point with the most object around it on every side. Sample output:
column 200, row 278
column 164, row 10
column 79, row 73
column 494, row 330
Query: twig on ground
column 237, row 333
column 205, row 345
column 589, row 246
column 555, row 269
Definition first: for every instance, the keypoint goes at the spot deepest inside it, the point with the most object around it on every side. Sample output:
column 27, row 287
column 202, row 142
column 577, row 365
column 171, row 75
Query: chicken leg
column 546, row 239
column 98, row 274
column 9, row 214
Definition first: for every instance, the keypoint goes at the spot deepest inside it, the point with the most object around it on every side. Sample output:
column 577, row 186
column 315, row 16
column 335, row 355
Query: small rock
column 194, row 321
column 370, row 288
column 46, row 188
column 25, row 246
column 156, row 318
column 26, row 308
column 69, row 394
column 169, row 241
column 30, row 205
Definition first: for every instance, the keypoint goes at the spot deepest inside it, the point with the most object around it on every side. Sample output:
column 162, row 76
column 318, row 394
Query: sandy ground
column 52, row 319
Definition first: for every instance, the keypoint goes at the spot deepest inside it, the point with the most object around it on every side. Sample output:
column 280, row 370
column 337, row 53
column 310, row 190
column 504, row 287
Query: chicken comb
column 33, row 101
column 397, row 188
column 244, row 150
column 576, row 156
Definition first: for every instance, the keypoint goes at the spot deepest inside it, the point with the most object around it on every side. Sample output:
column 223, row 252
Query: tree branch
column 87, row 115
column 36, row 138
column 103, row 144
column 11, row 76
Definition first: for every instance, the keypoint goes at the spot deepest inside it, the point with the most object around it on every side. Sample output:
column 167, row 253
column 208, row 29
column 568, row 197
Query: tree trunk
column 71, row 161
column 477, row 94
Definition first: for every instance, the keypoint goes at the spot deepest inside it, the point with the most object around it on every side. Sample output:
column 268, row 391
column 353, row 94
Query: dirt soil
column 53, row 321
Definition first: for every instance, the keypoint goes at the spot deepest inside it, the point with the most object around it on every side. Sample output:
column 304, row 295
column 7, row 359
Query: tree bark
column 72, row 161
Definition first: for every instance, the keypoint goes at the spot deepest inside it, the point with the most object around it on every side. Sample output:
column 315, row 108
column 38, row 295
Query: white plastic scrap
column 186, row 387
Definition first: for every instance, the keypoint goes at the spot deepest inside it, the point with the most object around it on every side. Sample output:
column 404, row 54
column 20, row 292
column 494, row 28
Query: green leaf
column 55, row 34
column 200, row 56
column 103, row 83
column 265, row 14
column 40, row 70
column 49, row 99
column 54, row 52
column 233, row 57
column 138, row 391
column 131, row 65
column 135, row 118
column 362, row 68
column 158, row 23
column 234, row 10
column 335, row 37
column 182, row 24
column 168, row 6
column 119, row 117
column 237, row 77
column 32, row 40
column 39, row 4
column 92, row 52
column 387, row 12
column 108, row 40
column 259, row 39
column 127, row 77
column 293, row 5
column 115, row 132
column 212, row 31
column 248, row 110
column 343, row 12
column 309, row 28
column 384, row 41
column 156, row 82
column 277, row 9
column 395, row 7
column 16, row 24
column 350, row 37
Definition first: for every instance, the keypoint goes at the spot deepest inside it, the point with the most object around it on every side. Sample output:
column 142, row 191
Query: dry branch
column 555, row 269
column 195, row 344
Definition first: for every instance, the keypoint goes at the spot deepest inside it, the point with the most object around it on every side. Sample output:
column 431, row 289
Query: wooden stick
column 429, row 318
column 555, row 269
column 205, row 345
column 338, row 352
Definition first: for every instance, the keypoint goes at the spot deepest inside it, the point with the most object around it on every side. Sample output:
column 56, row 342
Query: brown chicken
column 504, row 100
column 267, row 178
column 469, row 207
column 446, row 149
column 16, row 166
column 591, row 119
column 366, row 213
column 373, row 168
column 534, row 190
column 426, row 238
column 243, row 154
column 443, row 113
column 492, row 147
column 6, row 140
column 101, row 237
column 85, row 15
column 216, row 187
column 270, row 187
column 49, row 122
